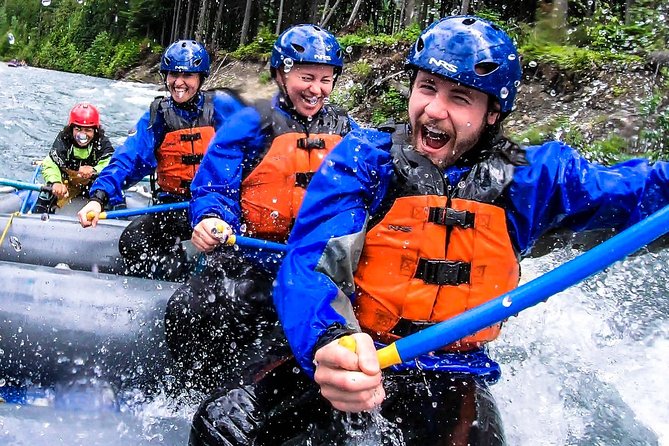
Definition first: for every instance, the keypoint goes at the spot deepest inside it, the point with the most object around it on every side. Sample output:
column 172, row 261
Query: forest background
column 568, row 48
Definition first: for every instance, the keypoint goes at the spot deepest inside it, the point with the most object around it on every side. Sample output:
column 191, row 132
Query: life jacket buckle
column 311, row 143
column 190, row 137
column 443, row 272
column 302, row 179
column 191, row 160
column 451, row 217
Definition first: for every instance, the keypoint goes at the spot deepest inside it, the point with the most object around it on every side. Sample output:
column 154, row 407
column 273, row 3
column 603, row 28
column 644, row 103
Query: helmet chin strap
column 288, row 103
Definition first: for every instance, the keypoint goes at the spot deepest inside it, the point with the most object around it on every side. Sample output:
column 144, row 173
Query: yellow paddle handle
column 232, row 238
column 388, row 355
column 91, row 215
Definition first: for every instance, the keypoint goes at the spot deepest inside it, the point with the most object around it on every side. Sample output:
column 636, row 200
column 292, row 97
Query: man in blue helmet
column 168, row 143
column 407, row 226
column 252, row 182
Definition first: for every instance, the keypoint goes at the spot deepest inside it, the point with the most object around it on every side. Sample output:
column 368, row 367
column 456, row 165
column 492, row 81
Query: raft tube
column 57, row 325
column 61, row 240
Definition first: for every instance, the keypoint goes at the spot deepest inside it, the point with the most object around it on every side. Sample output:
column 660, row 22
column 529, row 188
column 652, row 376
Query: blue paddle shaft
column 537, row 290
column 23, row 185
column 123, row 213
column 254, row 243
column 246, row 242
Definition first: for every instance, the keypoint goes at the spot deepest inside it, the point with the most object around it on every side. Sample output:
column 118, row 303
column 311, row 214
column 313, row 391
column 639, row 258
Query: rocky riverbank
column 579, row 107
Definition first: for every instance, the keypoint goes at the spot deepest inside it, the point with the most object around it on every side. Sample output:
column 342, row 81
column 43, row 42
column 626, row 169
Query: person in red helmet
column 80, row 151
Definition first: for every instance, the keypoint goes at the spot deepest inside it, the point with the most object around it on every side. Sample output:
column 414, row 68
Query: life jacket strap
column 311, row 143
column 451, row 217
column 443, row 272
column 302, row 179
column 407, row 327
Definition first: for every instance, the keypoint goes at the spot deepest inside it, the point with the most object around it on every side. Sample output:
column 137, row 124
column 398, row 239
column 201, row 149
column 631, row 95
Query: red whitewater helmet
column 84, row 115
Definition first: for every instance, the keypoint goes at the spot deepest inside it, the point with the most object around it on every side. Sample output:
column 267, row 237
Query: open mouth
column 312, row 101
column 434, row 138
column 180, row 93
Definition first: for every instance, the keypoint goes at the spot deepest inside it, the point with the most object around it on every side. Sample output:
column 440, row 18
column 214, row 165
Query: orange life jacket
column 272, row 193
column 184, row 144
column 431, row 257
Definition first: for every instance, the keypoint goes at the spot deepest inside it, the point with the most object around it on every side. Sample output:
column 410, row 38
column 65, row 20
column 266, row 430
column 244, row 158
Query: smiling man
column 408, row 226
column 167, row 143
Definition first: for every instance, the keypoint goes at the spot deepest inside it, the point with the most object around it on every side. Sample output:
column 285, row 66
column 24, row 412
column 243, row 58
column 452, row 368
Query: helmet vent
column 469, row 21
column 197, row 62
column 298, row 48
column 485, row 68
column 420, row 45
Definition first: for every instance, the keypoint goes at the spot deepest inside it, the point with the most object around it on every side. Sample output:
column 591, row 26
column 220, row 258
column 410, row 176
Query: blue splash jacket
column 557, row 188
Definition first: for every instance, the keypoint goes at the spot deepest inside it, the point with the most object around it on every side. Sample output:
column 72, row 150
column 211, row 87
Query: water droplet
column 46, row 2
column 274, row 214
column 507, row 301
column 260, row 40
column 288, row 62
column 2, row 382
column 349, row 49
column 512, row 56
column 16, row 244
column 516, row 84
column 532, row 64
column 10, row 38
column 504, row 93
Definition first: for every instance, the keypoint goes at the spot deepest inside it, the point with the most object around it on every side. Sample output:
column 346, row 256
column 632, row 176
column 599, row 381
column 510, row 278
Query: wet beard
column 436, row 139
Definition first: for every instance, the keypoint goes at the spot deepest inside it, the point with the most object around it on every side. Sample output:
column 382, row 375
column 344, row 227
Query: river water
column 586, row 368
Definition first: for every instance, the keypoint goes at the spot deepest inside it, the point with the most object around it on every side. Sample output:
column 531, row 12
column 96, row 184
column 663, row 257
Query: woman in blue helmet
column 168, row 143
column 407, row 226
column 252, row 182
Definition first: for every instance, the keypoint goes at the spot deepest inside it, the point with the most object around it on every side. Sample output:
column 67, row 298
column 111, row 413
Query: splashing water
column 587, row 367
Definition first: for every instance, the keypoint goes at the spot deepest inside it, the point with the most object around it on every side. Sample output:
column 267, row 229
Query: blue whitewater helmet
column 307, row 44
column 473, row 52
column 185, row 56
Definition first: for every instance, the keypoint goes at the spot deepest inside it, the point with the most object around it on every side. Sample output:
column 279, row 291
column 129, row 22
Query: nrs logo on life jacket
column 442, row 63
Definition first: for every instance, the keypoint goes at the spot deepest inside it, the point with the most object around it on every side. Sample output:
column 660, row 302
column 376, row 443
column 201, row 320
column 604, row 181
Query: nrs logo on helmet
column 443, row 64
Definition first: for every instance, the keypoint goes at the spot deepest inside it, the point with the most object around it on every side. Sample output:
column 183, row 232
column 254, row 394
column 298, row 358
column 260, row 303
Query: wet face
column 82, row 135
column 447, row 118
column 182, row 86
column 307, row 86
